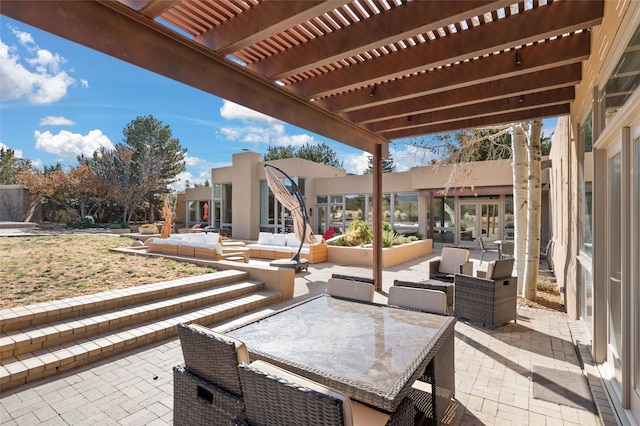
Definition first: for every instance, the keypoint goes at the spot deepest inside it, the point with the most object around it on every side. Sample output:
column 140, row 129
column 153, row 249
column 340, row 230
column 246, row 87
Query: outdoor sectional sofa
column 284, row 246
column 200, row 245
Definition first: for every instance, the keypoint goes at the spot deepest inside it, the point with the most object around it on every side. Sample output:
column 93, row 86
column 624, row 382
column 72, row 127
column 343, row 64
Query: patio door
column 476, row 219
column 614, row 282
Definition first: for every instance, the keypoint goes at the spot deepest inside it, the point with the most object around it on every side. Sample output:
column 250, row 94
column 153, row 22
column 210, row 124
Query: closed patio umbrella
column 292, row 200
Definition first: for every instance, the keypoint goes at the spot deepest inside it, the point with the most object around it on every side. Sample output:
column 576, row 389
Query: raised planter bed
column 391, row 256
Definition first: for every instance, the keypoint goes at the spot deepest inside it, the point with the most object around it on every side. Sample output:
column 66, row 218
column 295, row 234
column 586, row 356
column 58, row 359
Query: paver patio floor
column 493, row 371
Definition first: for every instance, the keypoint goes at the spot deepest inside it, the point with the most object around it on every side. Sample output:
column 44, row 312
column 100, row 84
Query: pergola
column 360, row 72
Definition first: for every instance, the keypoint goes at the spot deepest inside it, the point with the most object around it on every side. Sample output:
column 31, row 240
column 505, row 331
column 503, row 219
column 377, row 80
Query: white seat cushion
column 197, row 238
column 212, row 238
column 264, row 238
column 279, row 240
column 292, row 241
column 421, row 299
column 451, row 259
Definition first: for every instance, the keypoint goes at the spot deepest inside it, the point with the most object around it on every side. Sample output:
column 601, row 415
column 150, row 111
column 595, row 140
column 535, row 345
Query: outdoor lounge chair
column 207, row 388
column 491, row 300
column 452, row 261
column 274, row 396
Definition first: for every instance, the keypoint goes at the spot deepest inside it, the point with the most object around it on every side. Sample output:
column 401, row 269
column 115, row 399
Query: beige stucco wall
column 199, row 194
column 482, row 173
column 564, row 155
column 245, row 174
column 363, row 184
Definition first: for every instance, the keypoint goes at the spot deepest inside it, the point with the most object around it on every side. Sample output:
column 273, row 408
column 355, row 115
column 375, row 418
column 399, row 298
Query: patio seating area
column 495, row 369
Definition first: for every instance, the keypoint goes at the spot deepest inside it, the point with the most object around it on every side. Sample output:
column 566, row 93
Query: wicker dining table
column 371, row 352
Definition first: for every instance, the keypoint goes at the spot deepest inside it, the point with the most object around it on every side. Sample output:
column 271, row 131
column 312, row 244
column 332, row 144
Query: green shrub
column 388, row 237
column 358, row 233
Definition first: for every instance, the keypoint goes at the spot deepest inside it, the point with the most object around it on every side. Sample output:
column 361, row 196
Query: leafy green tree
column 155, row 151
column 11, row 166
column 279, row 152
column 320, row 153
column 388, row 165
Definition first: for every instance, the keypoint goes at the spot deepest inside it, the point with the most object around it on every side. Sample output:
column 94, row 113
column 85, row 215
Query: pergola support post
column 377, row 216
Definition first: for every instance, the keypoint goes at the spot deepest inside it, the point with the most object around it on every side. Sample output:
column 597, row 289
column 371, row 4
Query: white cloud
column 25, row 39
column 233, row 111
column 70, row 145
column 356, row 163
column 193, row 161
column 181, row 180
column 410, row 156
column 39, row 76
column 52, row 120
column 230, row 134
column 274, row 135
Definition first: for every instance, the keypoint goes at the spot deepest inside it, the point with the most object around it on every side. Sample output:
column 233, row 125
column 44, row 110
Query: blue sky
column 59, row 99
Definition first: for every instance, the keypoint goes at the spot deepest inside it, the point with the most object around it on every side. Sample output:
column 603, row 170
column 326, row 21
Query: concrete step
column 28, row 367
column 33, row 339
column 58, row 310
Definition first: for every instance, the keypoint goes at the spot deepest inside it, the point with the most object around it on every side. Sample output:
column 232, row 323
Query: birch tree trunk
column 533, row 211
column 520, row 199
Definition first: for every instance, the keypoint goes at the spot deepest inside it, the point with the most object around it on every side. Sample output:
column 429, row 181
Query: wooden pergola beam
column 133, row 38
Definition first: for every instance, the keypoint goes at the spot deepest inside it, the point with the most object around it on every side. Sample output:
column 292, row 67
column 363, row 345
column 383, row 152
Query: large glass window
column 354, row 208
column 623, row 81
column 405, row 212
column 225, row 208
column 386, row 208
column 615, row 255
column 336, row 213
column 444, row 219
column 268, row 216
column 509, row 221
column 586, row 296
column 586, row 234
column 192, row 212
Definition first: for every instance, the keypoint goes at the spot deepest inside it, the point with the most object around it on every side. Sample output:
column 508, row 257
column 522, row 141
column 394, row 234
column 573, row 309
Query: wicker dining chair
column 422, row 395
column 350, row 289
column 491, row 300
column 207, row 388
column 421, row 299
column 274, row 396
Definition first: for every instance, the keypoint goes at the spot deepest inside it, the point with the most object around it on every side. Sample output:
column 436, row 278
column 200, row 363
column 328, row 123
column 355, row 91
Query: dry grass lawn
column 41, row 268
column 49, row 267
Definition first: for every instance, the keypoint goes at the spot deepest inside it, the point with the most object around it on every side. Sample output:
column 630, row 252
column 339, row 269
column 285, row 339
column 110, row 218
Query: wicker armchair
column 274, row 396
column 207, row 389
column 452, row 261
column 489, row 301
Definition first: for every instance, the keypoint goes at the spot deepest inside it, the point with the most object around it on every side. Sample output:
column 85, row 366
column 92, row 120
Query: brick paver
column 493, row 372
